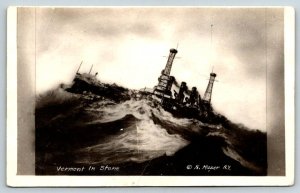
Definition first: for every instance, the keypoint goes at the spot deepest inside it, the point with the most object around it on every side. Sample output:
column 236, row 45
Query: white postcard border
column 78, row 181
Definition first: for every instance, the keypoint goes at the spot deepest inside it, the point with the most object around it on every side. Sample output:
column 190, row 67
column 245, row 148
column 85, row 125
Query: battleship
column 151, row 131
column 178, row 100
column 185, row 102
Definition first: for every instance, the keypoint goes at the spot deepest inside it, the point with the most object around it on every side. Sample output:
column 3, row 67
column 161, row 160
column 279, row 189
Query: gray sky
column 127, row 47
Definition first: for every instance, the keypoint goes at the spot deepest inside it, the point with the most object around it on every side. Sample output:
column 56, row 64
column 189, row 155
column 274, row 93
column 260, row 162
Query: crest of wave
column 140, row 141
column 141, row 109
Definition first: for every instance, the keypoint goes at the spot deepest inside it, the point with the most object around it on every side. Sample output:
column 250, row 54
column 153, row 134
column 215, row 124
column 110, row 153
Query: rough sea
column 80, row 134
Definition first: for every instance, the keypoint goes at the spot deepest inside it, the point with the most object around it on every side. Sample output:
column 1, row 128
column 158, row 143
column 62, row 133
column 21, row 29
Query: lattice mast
column 168, row 67
column 208, row 92
column 165, row 80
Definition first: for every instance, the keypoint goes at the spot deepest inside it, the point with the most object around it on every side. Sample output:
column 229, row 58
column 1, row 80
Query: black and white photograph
column 151, row 91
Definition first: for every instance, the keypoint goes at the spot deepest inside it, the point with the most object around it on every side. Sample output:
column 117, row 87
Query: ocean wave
column 103, row 131
column 57, row 97
column 140, row 142
column 141, row 109
column 230, row 152
column 234, row 147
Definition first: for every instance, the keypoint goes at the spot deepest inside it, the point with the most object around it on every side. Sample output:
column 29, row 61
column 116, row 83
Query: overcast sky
column 127, row 46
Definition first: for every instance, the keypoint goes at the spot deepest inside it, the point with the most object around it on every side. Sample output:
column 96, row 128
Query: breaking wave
column 140, row 141
column 105, row 132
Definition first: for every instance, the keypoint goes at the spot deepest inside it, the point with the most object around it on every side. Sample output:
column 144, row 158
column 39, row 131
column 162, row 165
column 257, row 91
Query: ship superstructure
column 184, row 101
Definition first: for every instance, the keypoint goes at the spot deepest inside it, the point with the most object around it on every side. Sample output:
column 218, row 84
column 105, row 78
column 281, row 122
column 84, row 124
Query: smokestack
column 91, row 69
column 79, row 67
